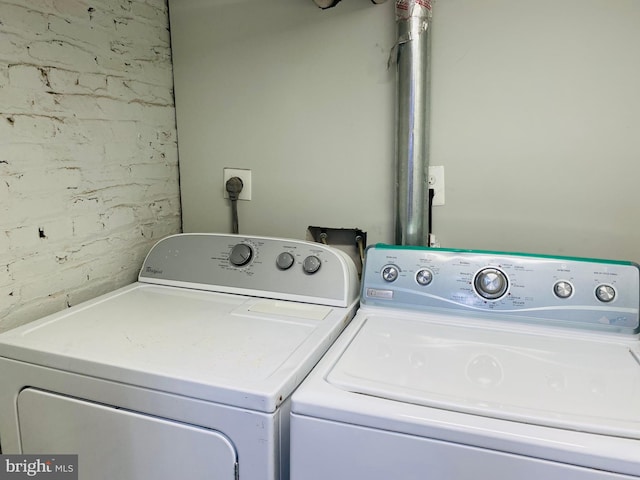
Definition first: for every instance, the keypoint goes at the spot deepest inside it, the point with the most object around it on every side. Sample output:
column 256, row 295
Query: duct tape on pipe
column 415, row 16
column 406, row 9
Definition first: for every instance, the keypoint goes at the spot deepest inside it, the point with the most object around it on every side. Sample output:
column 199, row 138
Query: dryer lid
column 542, row 376
column 232, row 349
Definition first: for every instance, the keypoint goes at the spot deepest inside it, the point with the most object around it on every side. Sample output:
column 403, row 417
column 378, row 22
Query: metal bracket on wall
column 352, row 241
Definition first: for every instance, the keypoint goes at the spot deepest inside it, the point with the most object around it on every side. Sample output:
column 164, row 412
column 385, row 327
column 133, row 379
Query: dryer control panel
column 267, row 267
column 589, row 293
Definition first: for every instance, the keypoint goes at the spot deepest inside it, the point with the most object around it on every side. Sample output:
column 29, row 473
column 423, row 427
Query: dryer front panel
column 118, row 443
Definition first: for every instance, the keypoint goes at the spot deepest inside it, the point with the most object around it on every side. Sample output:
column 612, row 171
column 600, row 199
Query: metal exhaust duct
column 412, row 52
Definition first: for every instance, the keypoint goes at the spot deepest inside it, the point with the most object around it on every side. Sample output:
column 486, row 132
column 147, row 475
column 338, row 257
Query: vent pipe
column 412, row 52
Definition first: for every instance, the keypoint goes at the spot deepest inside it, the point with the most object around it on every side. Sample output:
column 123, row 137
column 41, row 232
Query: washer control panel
column 258, row 266
column 601, row 294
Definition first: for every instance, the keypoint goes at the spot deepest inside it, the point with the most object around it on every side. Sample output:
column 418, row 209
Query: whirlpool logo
column 52, row 467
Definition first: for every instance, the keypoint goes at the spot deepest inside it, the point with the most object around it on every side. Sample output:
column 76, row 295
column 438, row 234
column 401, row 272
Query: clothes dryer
column 186, row 373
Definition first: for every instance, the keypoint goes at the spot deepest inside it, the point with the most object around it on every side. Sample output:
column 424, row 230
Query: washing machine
column 186, row 373
column 474, row 365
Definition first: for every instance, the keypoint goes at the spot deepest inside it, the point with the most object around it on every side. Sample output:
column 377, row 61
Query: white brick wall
column 88, row 152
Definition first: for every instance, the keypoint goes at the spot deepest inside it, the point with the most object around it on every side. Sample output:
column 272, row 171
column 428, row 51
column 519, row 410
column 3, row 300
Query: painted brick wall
column 88, row 150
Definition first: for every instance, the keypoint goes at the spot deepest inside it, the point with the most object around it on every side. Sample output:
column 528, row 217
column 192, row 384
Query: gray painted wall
column 536, row 119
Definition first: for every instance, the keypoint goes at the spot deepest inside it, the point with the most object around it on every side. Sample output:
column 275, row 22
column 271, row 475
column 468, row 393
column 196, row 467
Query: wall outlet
column 244, row 175
column 436, row 181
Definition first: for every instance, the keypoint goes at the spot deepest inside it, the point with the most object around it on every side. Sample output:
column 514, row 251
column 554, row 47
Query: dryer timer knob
column 241, row 254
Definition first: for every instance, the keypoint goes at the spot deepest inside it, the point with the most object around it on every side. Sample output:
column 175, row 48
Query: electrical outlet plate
column 244, row 175
column 436, row 181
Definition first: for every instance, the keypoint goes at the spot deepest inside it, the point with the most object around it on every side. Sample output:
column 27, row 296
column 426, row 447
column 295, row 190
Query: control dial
column 563, row 289
column 424, row 277
column 241, row 254
column 605, row 293
column 390, row 273
column 311, row 264
column 284, row 261
column 491, row 283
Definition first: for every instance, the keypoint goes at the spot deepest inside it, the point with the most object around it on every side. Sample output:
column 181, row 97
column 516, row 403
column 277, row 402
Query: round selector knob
column 390, row 273
column 491, row 283
column 605, row 293
column 241, row 254
column 311, row 264
column 284, row 261
column 424, row 277
column 563, row 289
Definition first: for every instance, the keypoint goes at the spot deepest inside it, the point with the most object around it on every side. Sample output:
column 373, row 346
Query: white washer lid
column 541, row 376
column 237, row 350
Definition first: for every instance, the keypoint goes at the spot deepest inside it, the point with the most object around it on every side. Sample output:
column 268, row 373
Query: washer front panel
column 358, row 452
column 579, row 292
